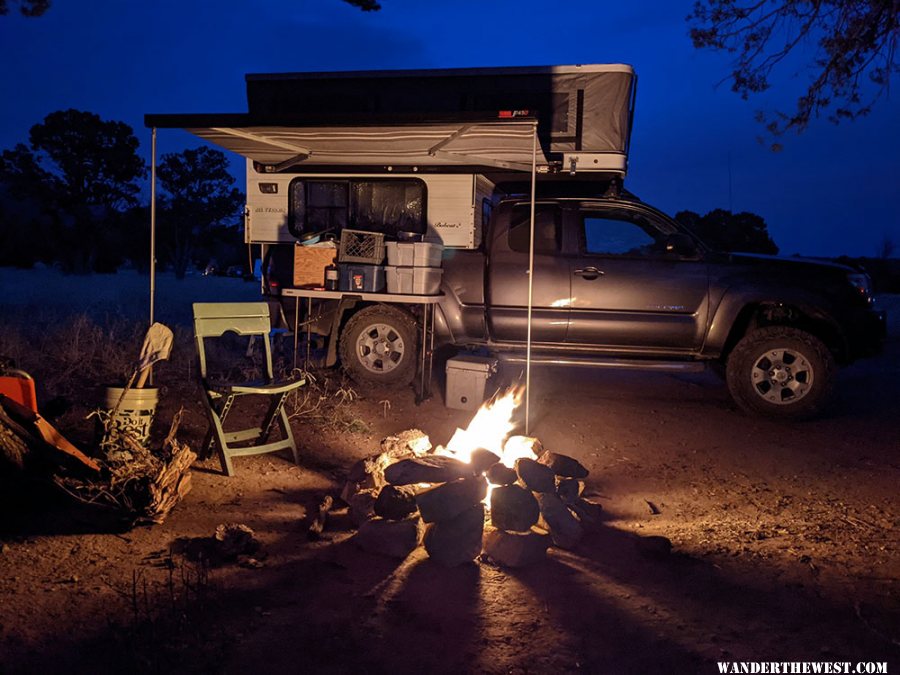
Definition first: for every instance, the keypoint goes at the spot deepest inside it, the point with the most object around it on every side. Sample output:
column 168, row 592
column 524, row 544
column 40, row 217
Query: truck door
column 507, row 287
column 628, row 290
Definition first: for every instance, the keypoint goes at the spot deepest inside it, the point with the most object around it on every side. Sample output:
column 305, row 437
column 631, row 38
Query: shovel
column 157, row 347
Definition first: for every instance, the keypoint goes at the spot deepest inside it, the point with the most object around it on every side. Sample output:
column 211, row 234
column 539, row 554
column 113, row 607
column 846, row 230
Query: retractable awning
column 505, row 144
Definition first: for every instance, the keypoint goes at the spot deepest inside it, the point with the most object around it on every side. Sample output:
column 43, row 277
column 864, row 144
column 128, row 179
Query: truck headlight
column 863, row 284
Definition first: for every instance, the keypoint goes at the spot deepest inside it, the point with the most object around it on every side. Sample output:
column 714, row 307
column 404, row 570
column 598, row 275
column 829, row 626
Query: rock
column 410, row 442
column 565, row 529
column 428, row 469
column 563, row 465
column 513, row 549
column 521, row 446
column 457, row 541
column 365, row 474
column 655, row 547
column 483, row 459
column 513, row 508
column 395, row 503
column 569, row 490
column 235, row 539
column 394, row 538
column 500, row 474
column 536, row 477
column 589, row 514
column 362, row 506
column 447, row 501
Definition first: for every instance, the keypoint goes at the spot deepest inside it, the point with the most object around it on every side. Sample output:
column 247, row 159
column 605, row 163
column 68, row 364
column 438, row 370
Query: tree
column 851, row 69
column 199, row 202
column 84, row 172
column 726, row 231
column 29, row 8
column 365, row 5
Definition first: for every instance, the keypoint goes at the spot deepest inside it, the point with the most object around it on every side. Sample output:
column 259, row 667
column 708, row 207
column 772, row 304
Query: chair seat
column 254, row 388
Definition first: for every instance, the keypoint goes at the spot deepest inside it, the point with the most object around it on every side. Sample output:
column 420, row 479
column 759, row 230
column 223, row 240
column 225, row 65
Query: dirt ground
column 786, row 547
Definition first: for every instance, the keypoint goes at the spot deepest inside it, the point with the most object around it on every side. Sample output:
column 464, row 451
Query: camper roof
column 430, row 118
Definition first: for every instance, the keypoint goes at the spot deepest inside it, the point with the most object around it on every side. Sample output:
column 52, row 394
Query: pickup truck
column 617, row 283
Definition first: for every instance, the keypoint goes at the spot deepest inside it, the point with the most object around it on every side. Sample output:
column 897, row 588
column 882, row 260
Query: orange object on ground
column 19, row 386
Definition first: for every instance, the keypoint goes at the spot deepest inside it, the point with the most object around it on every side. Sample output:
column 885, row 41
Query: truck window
column 547, row 237
column 374, row 205
column 621, row 235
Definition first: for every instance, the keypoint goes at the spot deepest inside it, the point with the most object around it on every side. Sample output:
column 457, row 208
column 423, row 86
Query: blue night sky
column 832, row 190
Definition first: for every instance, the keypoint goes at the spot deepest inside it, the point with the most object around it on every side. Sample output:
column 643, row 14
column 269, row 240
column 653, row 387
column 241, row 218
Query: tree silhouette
column 199, row 201
column 29, row 8
column 727, row 231
column 83, row 171
column 855, row 55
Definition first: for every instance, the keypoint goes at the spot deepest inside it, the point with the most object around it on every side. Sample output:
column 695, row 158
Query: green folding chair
column 214, row 320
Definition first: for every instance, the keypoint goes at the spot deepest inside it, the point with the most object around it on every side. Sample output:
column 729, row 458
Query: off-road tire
column 379, row 346
column 781, row 372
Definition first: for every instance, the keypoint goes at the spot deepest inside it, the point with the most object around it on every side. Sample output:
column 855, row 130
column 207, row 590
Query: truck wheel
column 781, row 372
column 378, row 346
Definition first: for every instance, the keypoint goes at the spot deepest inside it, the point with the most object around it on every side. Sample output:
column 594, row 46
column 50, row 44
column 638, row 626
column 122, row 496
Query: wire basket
column 361, row 247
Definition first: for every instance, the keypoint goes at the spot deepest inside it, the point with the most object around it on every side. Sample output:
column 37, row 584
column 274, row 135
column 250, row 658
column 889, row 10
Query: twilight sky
column 832, row 190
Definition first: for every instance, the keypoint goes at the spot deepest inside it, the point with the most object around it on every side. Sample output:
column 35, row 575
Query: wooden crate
column 309, row 265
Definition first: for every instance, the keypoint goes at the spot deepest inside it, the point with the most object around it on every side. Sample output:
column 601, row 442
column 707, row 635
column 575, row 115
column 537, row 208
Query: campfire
column 486, row 493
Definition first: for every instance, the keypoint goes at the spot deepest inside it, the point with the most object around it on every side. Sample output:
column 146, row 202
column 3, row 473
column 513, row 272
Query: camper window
column 374, row 205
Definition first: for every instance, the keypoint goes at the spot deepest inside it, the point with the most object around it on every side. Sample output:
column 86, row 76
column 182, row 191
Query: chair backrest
column 19, row 386
column 214, row 319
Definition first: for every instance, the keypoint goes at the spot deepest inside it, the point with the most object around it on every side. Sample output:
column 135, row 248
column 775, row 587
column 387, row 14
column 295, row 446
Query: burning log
column 427, row 469
column 458, row 540
column 536, row 477
column 513, row 549
column 395, row 503
column 513, row 509
column 563, row 465
column 447, row 501
column 393, row 538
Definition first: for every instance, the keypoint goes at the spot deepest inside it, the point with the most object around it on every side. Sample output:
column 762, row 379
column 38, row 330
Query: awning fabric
column 492, row 144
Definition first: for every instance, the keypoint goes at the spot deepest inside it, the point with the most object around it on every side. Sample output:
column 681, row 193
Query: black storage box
column 362, row 278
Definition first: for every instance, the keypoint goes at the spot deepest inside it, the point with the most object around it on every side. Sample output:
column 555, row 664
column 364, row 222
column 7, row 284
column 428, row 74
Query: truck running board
column 627, row 364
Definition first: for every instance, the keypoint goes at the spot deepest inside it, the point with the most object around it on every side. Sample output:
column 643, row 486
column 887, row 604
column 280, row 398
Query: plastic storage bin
column 414, row 254
column 466, row 378
column 362, row 278
column 413, row 280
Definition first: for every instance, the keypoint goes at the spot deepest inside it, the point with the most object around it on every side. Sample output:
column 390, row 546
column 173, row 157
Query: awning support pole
column 152, row 232
column 530, row 280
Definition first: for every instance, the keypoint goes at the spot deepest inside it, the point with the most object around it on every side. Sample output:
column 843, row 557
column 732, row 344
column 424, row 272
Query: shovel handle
column 142, row 380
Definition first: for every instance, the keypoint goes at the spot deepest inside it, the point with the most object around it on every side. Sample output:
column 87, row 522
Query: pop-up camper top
column 430, row 140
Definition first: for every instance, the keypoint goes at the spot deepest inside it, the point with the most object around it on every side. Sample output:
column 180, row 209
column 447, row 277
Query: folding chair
column 19, row 386
column 213, row 320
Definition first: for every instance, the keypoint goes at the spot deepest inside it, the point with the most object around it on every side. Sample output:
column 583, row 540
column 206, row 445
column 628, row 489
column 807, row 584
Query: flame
column 490, row 428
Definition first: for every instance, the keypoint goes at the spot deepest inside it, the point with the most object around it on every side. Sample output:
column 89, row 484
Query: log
column 169, row 486
column 317, row 523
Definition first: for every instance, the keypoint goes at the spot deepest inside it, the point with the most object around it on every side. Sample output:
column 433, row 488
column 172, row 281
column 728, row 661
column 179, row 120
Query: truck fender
column 734, row 310
column 345, row 306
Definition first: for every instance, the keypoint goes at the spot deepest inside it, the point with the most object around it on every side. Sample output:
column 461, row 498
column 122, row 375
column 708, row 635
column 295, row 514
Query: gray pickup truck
column 619, row 284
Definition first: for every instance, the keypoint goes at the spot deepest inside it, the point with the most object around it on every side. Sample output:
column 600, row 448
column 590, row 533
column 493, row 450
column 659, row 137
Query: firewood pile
column 124, row 479
column 410, row 495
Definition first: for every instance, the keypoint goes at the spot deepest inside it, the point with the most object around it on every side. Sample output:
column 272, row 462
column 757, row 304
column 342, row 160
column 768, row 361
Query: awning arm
column 256, row 138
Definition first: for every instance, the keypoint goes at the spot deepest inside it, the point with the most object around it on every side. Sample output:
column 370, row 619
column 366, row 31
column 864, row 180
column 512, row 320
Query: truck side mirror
column 681, row 245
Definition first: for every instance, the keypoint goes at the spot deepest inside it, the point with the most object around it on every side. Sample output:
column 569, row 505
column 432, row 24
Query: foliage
column 365, row 5
column 726, row 231
column 74, row 180
column 199, row 204
column 29, row 8
column 853, row 64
